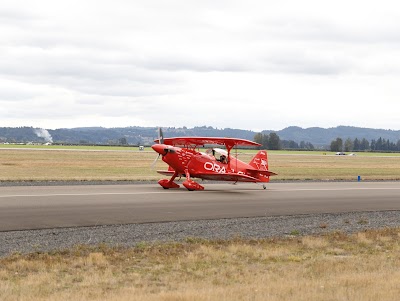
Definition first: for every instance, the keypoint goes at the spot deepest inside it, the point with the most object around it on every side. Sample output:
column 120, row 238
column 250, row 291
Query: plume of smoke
column 42, row 133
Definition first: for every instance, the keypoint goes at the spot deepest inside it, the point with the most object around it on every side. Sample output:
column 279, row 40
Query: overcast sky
column 239, row 64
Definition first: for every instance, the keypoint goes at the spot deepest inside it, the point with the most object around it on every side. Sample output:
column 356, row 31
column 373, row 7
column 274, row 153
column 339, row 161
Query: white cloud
column 251, row 65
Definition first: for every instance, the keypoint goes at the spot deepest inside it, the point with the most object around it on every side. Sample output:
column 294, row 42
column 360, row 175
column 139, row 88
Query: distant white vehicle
column 340, row 154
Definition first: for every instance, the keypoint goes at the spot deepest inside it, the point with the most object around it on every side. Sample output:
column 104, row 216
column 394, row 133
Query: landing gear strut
column 167, row 184
column 190, row 184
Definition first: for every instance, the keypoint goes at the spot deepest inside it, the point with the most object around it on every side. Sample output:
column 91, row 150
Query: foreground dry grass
column 363, row 266
column 39, row 165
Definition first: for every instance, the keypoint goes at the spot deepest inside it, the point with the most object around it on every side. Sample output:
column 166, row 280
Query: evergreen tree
column 378, row 145
column 309, row 145
column 373, row 144
column 265, row 141
column 364, row 145
column 348, row 145
column 293, row 144
column 274, row 142
column 356, row 144
column 122, row 141
column 258, row 138
column 337, row 145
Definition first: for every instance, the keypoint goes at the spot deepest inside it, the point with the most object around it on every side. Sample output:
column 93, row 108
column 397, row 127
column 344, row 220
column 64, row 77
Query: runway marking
column 337, row 189
column 191, row 192
column 86, row 194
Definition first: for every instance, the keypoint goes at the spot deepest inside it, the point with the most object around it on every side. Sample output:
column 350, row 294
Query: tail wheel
column 264, row 186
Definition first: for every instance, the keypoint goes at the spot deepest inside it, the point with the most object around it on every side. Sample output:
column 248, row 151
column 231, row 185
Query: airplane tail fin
column 260, row 165
column 260, row 161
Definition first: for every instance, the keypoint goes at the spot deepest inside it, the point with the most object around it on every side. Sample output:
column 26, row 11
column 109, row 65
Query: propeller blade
column 160, row 136
column 160, row 141
column 155, row 161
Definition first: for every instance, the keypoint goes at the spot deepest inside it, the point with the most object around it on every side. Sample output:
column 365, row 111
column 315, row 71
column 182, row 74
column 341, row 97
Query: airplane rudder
column 260, row 160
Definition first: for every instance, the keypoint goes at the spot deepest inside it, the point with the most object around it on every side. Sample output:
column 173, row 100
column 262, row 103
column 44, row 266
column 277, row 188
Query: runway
column 39, row 207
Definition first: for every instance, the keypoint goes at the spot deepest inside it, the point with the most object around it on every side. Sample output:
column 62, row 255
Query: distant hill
column 319, row 137
column 100, row 135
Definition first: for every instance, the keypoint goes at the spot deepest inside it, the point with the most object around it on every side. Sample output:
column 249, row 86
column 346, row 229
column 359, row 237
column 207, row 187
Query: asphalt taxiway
column 39, row 207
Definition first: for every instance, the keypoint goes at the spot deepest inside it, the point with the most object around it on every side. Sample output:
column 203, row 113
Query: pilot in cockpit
column 223, row 159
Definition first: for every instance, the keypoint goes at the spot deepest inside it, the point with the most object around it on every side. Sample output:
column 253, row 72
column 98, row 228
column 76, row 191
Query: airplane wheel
column 264, row 186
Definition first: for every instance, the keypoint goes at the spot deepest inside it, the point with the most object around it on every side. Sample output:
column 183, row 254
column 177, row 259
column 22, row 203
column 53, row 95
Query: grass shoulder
column 362, row 266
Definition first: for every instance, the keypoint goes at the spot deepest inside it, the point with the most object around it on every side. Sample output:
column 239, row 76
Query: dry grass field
column 331, row 167
column 363, row 266
column 117, row 164
column 81, row 165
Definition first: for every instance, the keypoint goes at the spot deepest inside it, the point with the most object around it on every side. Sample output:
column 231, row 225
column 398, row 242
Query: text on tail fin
column 260, row 161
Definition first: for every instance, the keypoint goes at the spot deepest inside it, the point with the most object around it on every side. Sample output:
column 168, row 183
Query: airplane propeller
column 155, row 161
column 160, row 141
column 160, row 136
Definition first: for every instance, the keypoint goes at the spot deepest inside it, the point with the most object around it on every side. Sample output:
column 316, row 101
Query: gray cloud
column 15, row 93
column 306, row 63
column 130, row 58
column 319, row 30
column 16, row 16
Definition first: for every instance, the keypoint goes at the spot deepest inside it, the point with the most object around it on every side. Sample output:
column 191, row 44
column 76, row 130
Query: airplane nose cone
column 159, row 148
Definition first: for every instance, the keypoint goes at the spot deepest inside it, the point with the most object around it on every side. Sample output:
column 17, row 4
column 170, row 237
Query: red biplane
column 214, row 164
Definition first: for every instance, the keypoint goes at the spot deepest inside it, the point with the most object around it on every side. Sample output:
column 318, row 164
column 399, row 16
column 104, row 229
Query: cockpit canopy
column 219, row 154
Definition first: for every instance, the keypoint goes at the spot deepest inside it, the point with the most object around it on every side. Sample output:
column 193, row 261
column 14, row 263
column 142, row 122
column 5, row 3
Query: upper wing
column 186, row 141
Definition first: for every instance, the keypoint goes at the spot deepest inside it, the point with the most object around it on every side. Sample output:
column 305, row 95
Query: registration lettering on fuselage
column 214, row 167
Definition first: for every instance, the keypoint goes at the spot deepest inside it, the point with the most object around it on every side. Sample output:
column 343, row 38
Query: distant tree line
column 273, row 142
column 381, row 144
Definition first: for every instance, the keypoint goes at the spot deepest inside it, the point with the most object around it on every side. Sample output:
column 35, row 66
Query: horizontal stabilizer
column 263, row 172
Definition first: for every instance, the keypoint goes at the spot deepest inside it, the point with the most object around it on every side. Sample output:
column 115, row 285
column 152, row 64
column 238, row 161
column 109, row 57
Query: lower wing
column 234, row 177
column 166, row 172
